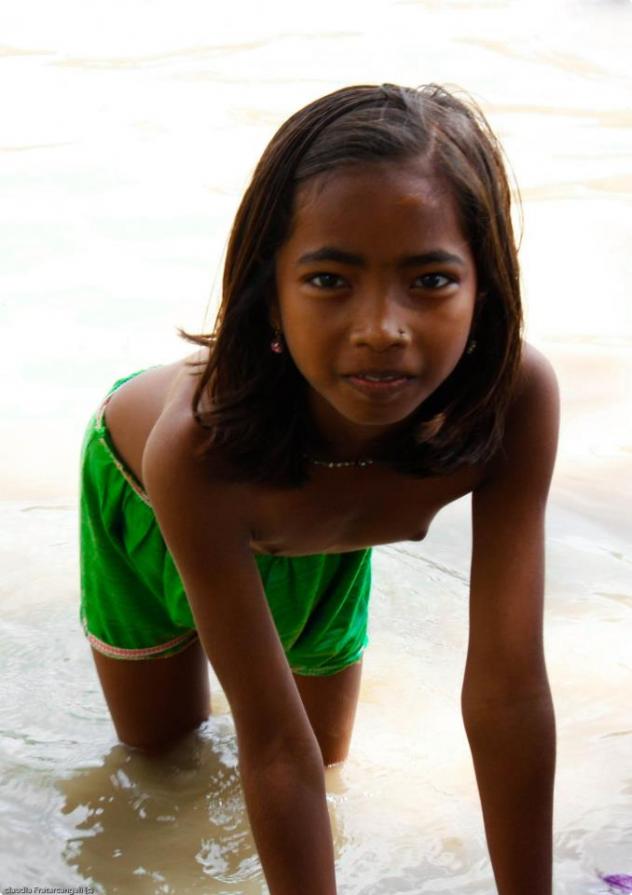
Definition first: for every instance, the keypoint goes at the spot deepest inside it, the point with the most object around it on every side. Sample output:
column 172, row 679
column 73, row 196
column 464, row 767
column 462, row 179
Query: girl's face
column 376, row 278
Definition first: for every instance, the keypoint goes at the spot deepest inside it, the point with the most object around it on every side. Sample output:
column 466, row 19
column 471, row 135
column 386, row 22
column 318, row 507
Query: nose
column 379, row 324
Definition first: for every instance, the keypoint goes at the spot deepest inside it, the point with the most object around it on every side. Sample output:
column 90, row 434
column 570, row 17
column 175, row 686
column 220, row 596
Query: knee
column 334, row 751
column 160, row 744
column 336, row 762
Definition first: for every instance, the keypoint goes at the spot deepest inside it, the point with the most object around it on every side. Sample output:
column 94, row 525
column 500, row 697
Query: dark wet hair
column 258, row 398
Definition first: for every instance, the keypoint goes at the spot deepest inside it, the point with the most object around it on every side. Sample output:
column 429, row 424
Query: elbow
column 504, row 677
column 515, row 727
column 489, row 721
column 504, row 695
column 290, row 751
column 287, row 768
column 506, row 705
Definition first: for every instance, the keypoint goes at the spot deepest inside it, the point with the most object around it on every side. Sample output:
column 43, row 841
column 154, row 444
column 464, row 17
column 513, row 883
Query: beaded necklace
column 339, row 464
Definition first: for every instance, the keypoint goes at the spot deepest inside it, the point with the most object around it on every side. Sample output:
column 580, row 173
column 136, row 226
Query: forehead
column 389, row 203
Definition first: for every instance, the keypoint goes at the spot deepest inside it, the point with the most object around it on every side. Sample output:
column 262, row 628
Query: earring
column 471, row 346
column 276, row 345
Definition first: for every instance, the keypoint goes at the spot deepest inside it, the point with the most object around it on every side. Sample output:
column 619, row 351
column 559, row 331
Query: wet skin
column 399, row 294
column 339, row 316
column 373, row 311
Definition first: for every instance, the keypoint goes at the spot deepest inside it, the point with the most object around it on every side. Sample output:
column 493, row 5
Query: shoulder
column 533, row 414
column 529, row 444
column 177, row 439
column 536, row 378
column 177, row 451
column 189, row 485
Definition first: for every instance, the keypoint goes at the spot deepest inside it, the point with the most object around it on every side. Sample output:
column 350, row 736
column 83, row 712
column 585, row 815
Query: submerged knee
column 156, row 746
column 334, row 753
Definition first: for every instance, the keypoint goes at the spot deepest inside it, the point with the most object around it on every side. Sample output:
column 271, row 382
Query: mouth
column 380, row 375
column 384, row 382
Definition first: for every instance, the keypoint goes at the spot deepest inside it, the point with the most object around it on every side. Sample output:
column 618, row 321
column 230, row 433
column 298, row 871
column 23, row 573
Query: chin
column 377, row 417
column 380, row 417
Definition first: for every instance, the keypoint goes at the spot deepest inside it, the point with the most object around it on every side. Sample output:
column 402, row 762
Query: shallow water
column 123, row 156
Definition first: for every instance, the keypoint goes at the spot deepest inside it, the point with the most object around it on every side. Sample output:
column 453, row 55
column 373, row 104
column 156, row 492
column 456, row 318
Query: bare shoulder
column 176, row 439
column 174, row 460
column 529, row 446
column 537, row 377
column 533, row 415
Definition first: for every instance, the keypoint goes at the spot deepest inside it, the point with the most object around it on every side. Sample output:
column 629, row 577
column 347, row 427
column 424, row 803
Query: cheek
column 446, row 340
column 306, row 345
column 450, row 326
column 463, row 312
column 308, row 332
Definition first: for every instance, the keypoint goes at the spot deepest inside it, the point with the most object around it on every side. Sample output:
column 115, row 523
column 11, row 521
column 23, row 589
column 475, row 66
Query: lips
column 392, row 383
column 380, row 374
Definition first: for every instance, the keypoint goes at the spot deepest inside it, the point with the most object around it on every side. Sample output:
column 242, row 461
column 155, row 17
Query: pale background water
column 128, row 132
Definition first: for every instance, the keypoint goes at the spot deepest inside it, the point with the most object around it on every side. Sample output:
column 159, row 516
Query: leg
column 330, row 702
column 155, row 701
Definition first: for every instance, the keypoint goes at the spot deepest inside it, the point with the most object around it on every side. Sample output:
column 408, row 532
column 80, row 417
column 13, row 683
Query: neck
column 330, row 436
column 345, row 446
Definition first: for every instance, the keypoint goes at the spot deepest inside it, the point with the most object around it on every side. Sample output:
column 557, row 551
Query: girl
column 365, row 370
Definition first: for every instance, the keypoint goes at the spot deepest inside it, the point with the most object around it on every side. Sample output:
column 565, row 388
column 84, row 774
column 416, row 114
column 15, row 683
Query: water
column 126, row 141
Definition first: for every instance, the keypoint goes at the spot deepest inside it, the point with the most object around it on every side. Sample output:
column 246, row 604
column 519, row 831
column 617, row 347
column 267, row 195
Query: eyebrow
column 331, row 253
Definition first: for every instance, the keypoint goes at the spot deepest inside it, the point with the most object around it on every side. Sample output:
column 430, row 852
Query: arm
column 506, row 700
column 203, row 521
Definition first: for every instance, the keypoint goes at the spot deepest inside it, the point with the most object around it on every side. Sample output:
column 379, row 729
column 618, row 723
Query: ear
column 274, row 317
column 479, row 301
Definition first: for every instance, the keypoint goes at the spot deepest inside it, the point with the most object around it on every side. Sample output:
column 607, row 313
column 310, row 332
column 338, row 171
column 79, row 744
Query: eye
column 435, row 280
column 328, row 280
